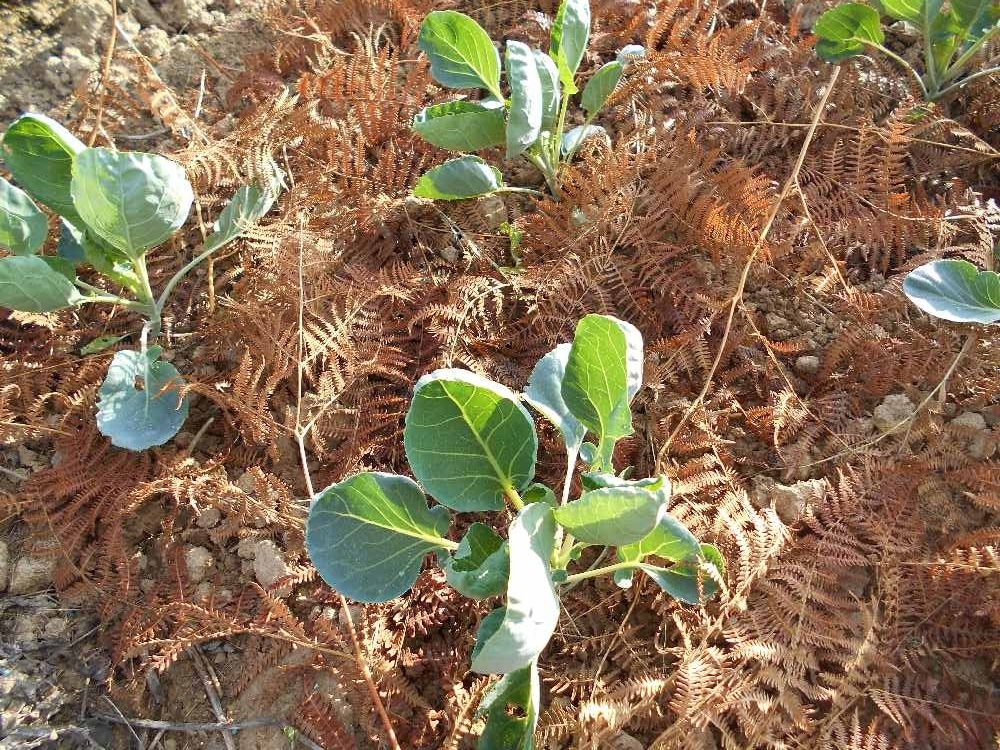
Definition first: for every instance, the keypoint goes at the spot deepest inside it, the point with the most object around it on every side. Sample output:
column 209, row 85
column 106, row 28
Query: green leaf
column 904, row 10
column 548, row 76
column 70, row 243
column 524, row 118
column 681, row 580
column 247, row 206
column 132, row 201
column 576, row 137
column 23, row 227
column 955, row 290
column 368, row 535
column 601, row 85
column 479, row 566
column 457, row 179
column 570, row 32
column 100, row 344
column 461, row 54
column 844, row 31
column 512, row 636
column 669, row 540
column 613, row 516
column 469, row 440
column 39, row 153
column 511, row 710
column 544, row 393
column 539, row 493
column 139, row 419
column 31, row 283
column 461, row 126
column 603, row 374
column 974, row 17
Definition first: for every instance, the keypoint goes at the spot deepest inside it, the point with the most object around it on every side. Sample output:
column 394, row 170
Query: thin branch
column 105, row 73
column 191, row 727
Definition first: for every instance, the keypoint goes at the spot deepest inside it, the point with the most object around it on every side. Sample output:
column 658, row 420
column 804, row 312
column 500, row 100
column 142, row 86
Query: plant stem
column 148, row 298
column 579, row 141
column 600, row 571
column 545, row 168
column 525, row 191
column 514, row 497
column 959, row 65
column 979, row 74
column 176, row 278
column 900, row 61
column 560, row 126
column 102, row 296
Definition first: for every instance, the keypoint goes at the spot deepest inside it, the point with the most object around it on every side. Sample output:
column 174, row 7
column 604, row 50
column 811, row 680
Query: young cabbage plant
column 955, row 290
column 530, row 122
column 471, row 444
column 114, row 207
column 950, row 39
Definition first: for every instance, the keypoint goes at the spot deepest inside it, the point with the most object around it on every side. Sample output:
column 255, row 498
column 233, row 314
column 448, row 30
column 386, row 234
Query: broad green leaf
column 39, row 153
column 461, row 126
column 845, row 30
column 461, row 54
column 955, row 290
column 524, row 118
column 570, row 32
column 70, row 243
column 576, row 137
column 479, row 566
column 247, row 206
column 368, row 535
column 904, row 10
column 135, row 417
column 599, row 480
column 469, row 440
column 600, row 86
column 681, row 580
column 31, row 283
column 132, row 201
column 23, row 227
column 511, row 710
column 612, row 516
column 539, row 493
column 974, row 17
column 544, row 393
column 457, row 179
column 669, row 540
column 548, row 76
column 100, row 344
column 603, row 374
column 512, row 636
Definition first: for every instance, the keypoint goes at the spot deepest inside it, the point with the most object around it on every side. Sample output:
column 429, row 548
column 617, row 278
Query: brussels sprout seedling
column 950, row 39
column 530, row 123
column 471, row 445
column 115, row 207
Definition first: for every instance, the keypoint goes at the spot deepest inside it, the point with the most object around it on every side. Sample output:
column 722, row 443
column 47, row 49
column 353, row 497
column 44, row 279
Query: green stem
column 601, row 571
column 980, row 74
column 146, row 292
column 546, row 169
column 525, row 191
column 560, row 126
column 514, row 497
column 576, row 146
column 101, row 296
column 958, row 66
column 900, row 61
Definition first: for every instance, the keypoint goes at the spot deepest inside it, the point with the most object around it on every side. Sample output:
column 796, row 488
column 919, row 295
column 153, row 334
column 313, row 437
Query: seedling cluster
column 950, row 39
column 530, row 122
column 471, row 444
column 113, row 208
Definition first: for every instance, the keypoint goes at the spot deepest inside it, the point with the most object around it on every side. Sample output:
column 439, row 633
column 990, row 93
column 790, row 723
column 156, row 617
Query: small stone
column 198, row 560
column 623, row 741
column 203, row 590
column 209, row 518
column 791, row 501
column 971, row 419
column 245, row 482
column 982, row 445
column 893, row 413
column 56, row 627
column 246, row 548
column 31, row 574
column 807, row 364
column 4, row 565
column 269, row 566
column 775, row 322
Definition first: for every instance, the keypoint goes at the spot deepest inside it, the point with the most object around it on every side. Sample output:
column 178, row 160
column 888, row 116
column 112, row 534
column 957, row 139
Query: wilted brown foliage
column 863, row 615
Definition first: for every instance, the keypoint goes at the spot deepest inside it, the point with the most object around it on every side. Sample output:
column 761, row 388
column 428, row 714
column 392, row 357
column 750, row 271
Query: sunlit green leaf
column 669, row 540
column 461, row 126
column 247, row 206
column 845, row 30
column 39, row 153
column 100, row 344
column 368, row 535
column 548, row 76
column 478, row 568
column 457, row 179
column 524, row 118
column 544, row 393
column 132, row 201
column 31, row 283
column 461, row 53
column 576, row 137
column 469, row 441
column 569, row 36
column 511, row 710
column 955, row 290
column 139, row 405
column 511, row 637
column 600, row 86
column 23, row 227
column 613, row 516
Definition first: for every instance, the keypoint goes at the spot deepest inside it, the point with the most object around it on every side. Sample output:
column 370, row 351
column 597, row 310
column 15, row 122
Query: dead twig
column 191, row 727
column 212, row 691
